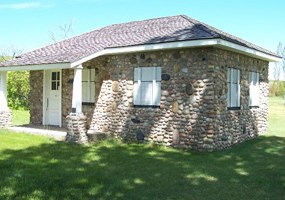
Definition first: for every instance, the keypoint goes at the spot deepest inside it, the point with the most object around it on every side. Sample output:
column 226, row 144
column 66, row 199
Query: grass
column 20, row 117
column 33, row 167
column 277, row 116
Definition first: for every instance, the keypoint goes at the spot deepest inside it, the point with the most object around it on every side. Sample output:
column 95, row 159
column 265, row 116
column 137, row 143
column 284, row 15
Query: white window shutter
column 85, row 96
column 233, row 95
column 85, row 74
column 137, row 74
column 229, row 95
column 250, row 81
column 238, row 88
column 147, row 73
column 146, row 93
column 253, row 89
column 256, row 90
column 156, row 93
column 92, row 75
column 229, row 87
column 92, row 92
column 137, row 86
column 158, row 74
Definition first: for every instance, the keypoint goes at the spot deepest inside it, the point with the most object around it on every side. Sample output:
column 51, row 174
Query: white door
column 52, row 98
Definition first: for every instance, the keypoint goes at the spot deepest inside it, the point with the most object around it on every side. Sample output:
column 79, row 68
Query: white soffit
column 36, row 67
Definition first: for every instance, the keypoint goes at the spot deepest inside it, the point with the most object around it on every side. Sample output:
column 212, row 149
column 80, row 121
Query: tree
column 9, row 53
column 18, row 89
column 64, row 31
column 279, row 67
column 18, row 86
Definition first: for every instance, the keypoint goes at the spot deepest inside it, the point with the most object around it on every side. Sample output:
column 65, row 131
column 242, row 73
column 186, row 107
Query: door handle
column 47, row 104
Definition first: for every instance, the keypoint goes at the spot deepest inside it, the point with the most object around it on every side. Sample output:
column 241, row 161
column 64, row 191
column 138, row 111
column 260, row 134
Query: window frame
column 89, row 82
column 254, row 82
column 55, row 81
column 147, row 79
column 233, row 86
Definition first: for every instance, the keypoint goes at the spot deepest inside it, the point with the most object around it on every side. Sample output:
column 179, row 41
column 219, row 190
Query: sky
column 28, row 24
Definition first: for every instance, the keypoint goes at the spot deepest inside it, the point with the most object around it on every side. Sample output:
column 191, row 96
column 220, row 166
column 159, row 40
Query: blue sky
column 26, row 24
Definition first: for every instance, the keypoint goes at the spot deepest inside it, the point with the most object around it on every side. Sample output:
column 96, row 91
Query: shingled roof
column 153, row 31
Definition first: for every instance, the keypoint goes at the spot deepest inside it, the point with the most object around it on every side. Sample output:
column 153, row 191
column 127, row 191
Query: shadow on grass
column 111, row 170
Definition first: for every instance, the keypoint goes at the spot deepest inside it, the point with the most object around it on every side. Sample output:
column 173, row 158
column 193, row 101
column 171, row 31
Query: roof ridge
column 97, row 30
column 226, row 36
column 197, row 22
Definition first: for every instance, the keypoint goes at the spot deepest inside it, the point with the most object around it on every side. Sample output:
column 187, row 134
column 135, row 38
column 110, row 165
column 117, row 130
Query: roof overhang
column 36, row 67
column 220, row 43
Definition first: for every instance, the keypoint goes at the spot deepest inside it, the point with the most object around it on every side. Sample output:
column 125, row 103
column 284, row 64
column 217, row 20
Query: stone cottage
column 174, row 81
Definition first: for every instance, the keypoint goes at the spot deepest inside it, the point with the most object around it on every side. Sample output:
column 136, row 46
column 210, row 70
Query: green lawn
column 20, row 117
column 33, row 167
column 277, row 116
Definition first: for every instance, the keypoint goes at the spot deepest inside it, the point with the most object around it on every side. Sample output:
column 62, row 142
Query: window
column 253, row 89
column 147, row 86
column 88, row 85
column 233, row 81
column 55, row 80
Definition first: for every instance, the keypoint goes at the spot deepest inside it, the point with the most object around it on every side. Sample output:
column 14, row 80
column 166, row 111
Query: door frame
column 46, row 93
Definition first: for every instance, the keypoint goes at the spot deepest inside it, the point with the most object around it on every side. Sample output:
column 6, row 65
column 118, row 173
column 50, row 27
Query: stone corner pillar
column 5, row 118
column 76, row 128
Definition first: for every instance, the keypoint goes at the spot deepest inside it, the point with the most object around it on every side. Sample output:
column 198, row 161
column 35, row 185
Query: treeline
column 276, row 88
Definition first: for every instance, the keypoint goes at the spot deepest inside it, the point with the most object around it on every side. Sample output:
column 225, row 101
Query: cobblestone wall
column 36, row 97
column 199, row 121
column 5, row 118
column 193, row 108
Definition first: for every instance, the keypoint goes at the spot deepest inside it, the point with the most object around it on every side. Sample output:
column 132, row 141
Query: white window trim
column 233, row 103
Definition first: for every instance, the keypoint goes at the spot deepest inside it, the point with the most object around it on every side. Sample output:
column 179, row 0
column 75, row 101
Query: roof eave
column 247, row 51
column 220, row 43
column 36, row 67
column 216, row 42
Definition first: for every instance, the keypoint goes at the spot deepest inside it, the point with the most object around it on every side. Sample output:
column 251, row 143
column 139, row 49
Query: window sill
column 233, row 108
column 145, row 106
column 88, row 103
column 252, row 107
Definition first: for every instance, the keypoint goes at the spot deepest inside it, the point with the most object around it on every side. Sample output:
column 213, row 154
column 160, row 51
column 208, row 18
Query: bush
column 276, row 88
column 18, row 89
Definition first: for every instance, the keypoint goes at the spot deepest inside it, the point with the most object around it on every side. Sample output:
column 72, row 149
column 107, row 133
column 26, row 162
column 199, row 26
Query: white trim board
column 36, row 67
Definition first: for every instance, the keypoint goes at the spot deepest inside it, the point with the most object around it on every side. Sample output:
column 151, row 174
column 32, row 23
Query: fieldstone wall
column 235, row 126
column 193, row 109
column 76, row 128
column 36, row 97
column 66, row 97
column 5, row 118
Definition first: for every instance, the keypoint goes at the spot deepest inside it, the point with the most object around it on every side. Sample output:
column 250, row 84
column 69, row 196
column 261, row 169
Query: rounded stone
column 165, row 77
column 115, row 86
column 189, row 89
column 175, row 106
column 164, row 93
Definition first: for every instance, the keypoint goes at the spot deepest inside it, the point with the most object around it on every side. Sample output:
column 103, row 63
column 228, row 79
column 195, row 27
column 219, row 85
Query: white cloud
column 20, row 6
